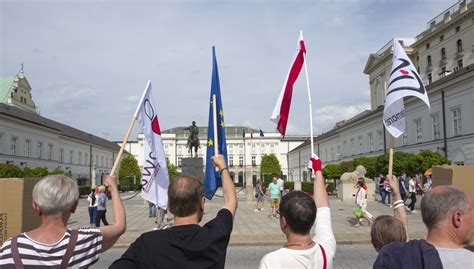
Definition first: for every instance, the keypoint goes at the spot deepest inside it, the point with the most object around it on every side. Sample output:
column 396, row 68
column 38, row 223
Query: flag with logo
column 213, row 178
column 281, row 110
column 404, row 81
column 155, row 179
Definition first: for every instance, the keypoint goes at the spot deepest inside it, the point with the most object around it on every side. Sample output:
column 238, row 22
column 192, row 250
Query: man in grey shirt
column 448, row 213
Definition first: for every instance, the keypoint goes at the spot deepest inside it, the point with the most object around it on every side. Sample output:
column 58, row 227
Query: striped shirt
column 35, row 254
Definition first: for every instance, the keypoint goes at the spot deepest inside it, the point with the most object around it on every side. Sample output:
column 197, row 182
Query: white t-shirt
column 411, row 186
column 280, row 183
column 307, row 258
column 456, row 258
column 360, row 197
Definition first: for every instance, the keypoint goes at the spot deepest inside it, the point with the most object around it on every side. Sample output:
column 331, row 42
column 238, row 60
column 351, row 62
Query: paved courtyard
column 250, row 227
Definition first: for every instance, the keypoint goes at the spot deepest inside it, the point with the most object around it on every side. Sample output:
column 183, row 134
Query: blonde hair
column 55, row 195
column 102, row 188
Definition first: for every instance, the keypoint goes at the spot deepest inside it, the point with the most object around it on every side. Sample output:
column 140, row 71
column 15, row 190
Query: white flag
column 155, row 179
column 403, row 81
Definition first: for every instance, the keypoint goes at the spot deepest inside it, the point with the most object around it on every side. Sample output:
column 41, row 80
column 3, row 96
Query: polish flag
column 282, row 107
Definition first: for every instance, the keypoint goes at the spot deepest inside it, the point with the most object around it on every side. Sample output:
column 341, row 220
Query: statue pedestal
column 250, row 190
column 297, row 185
column 346, row 190
column 193, row 167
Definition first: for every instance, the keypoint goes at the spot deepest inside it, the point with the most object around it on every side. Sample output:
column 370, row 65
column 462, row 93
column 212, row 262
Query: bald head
column 440, row 203
column 184, row 196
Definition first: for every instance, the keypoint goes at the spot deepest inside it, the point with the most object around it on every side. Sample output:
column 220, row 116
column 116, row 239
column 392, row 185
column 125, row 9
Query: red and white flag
column 404, row 81
column 282, row 107
column 155, row 179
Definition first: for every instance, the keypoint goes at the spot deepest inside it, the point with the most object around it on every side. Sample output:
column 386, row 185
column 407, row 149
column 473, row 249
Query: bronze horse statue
column 193, row 139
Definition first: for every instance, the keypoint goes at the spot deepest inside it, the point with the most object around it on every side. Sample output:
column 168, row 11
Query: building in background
column 245, row 148
column 29, row 140
column 444, row 57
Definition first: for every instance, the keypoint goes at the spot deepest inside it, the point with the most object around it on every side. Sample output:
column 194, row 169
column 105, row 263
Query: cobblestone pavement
column 250, row 227
column 246, row 257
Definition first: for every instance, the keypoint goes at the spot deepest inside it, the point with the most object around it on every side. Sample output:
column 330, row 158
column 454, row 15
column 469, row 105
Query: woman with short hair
column 101, row 207
column 53, row 244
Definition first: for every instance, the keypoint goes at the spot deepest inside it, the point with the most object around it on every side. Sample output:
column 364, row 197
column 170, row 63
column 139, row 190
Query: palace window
column 459, row 45
column 418, row 131
column 50, row 151
column 27, row 147
column 457, row 126
column 435, row 123
column 13, row 146
column 40, row 150
column 405, row 138
column 443, row 54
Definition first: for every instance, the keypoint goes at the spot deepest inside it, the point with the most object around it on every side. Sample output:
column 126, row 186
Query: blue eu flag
column 213, row 178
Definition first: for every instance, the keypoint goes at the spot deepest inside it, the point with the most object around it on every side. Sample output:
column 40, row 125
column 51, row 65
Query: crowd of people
column 447, row 213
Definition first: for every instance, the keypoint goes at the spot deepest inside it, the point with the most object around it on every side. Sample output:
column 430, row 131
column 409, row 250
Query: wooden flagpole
column 309, row 101
column 390, row 156
column 214, row 119
column 125, row 140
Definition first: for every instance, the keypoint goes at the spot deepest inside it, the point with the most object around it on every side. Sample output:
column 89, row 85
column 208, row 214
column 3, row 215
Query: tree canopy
column 269, row 167
column 129, row 168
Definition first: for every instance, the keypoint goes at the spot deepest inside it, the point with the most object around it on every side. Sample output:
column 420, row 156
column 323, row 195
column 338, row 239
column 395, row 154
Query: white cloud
column 329, row 115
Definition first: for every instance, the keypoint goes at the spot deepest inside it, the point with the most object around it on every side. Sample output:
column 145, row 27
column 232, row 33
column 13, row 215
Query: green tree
column 369, row 164
column 427, row 159
column 402, row 162
column 269, row 167
column 332, row 171
column 57, row 172
column 35, row 172
column 347, row 166
column 172, row 172
column 128, row 168
column 10, row 170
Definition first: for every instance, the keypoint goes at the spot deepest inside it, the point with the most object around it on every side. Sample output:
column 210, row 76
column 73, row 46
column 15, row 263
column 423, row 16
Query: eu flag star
column 210, row 143
column 221, row 113
column 222, row 124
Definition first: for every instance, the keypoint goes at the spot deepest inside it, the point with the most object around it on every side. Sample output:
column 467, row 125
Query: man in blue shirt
column 403, row 189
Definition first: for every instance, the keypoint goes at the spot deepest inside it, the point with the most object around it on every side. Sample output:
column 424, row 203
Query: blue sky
column 88, row 61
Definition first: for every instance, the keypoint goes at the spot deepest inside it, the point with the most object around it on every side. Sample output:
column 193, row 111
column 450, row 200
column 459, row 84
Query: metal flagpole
column 309, row 101
column 214, row 110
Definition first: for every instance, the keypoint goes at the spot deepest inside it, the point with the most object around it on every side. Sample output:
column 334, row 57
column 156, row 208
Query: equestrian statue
column 193, row 139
